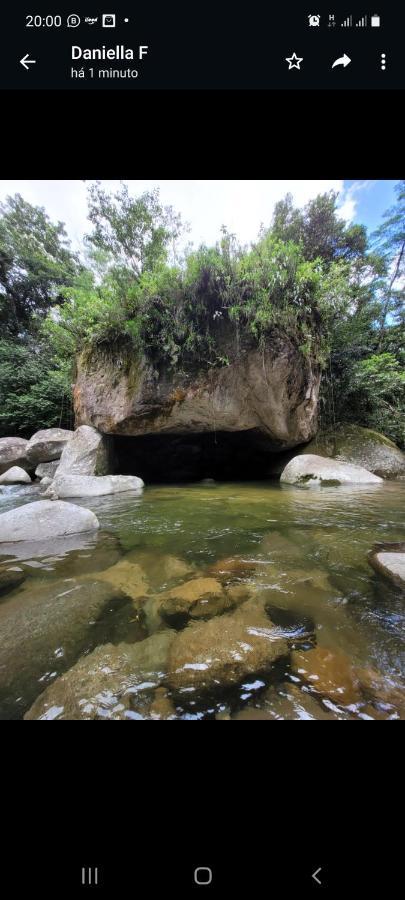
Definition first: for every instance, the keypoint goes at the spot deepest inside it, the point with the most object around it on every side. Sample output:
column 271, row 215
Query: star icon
column 294, row 61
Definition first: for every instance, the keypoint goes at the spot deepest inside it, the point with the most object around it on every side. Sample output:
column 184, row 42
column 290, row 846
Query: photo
column 202, row 450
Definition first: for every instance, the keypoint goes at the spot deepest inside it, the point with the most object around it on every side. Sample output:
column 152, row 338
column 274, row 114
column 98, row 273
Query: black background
column 263, row 805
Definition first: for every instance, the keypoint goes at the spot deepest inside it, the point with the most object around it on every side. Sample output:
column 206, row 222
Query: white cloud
column 241, row 205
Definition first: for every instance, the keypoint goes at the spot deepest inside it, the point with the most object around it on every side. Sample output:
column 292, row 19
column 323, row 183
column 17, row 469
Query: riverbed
column 300, row 552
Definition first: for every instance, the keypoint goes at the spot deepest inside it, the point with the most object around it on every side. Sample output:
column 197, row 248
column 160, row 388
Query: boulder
column 13, row 453
column 329, row 673
column 360, row 447
column 87, row 453
column 47, row 469
column 45, row 519
column 10, row 578
column 95, row 485
column 199, row 598
column 44, row 628
column 113, row 682
column 128, row 577
column 15, row 475
column 224, row 650
column 47, row 444
column 271, row 393
column 309, row 470
column 232, row 568
column 46, row 481
column 389, row 564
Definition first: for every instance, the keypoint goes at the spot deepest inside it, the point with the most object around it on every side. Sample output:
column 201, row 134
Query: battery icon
column 375, row 21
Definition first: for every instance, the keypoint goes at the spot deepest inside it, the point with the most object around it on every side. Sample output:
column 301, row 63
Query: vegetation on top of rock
column 309, row 277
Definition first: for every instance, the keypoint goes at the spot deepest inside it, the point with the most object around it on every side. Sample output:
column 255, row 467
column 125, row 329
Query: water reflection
column 301, row 554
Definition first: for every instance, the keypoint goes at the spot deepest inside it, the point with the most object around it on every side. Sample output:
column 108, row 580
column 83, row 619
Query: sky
column 206, row 205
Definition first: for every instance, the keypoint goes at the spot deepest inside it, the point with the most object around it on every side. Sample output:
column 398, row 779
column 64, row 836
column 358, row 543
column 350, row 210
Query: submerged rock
column 111, row 683
column 47, row 444
column 15, row 475
column 44, row 627
column 199, row 598
column 389, row 564
column 88, row 453
column 10, row 578
column 360, row 447
column 312, row 470
column 45, row 519
column 13, row 453
column 232, row 569
column 329, row 673
column 221, row 652
column 128, row 577
column 95, row 486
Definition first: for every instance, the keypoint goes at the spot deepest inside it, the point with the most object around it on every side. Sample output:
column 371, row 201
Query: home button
column 203, row 875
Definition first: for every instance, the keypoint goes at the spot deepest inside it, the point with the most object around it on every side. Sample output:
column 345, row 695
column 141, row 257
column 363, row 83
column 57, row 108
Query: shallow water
column 303, row 552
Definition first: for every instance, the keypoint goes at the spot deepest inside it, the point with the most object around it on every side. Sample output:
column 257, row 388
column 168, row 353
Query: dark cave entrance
column 222, row 455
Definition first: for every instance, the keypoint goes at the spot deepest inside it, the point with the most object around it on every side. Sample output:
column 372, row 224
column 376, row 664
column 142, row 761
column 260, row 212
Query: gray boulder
column 47, row 469
column 95, row 486
column 13, row 453
column 310, row 470
column 46, row 481
column 86, row 454
column 45, row 519
column 360, row 447
column 47, row 444
column 15, row 475
column 389, row 560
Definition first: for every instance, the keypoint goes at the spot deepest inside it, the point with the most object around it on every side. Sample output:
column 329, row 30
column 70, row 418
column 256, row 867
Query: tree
column 35, row 262
column 318, row 229
column 136, row 231
column 389, row 240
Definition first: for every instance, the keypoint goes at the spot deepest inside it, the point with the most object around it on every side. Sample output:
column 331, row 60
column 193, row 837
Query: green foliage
column 136, row 231
column 35, row 388
column 35, row 262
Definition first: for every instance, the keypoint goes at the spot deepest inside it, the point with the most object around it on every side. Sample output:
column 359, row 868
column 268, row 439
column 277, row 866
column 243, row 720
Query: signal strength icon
column 347, row 22
column 362, row 23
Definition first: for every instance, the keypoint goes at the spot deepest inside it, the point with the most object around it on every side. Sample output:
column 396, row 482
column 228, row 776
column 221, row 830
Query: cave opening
column 222, row 456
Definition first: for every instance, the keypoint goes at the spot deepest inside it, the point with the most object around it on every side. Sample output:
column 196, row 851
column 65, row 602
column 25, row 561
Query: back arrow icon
column 314, row 874
column 26, row 62
column 342, row 61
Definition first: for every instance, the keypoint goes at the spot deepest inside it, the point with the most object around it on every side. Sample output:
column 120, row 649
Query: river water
column 300, row 552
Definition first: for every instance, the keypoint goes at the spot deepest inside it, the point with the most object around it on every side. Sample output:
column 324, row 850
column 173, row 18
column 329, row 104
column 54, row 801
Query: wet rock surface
column 224, row 650
column 360, row 447
column 111, row 683
column 44, row 629
column 10, row 578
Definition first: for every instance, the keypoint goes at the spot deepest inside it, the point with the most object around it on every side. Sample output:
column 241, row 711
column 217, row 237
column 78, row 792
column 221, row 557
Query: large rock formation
column 274, row 393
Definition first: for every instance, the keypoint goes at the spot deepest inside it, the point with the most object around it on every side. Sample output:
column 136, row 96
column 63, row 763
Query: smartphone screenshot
column 214, row 46
column 202, row 448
